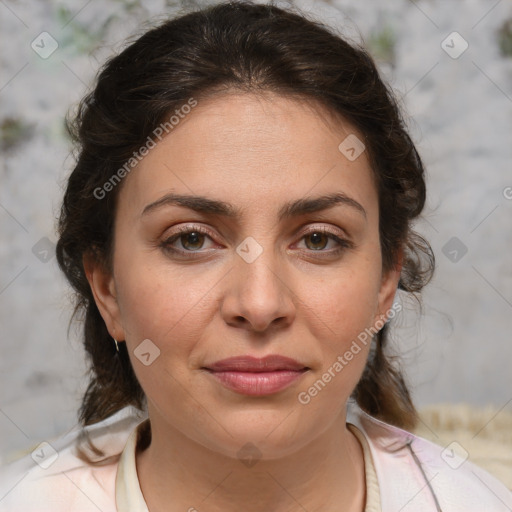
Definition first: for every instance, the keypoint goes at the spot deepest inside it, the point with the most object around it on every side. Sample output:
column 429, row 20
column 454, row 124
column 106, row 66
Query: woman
column 236, row 228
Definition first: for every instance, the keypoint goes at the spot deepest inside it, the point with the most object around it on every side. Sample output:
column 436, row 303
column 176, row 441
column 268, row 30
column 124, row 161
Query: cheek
column 158, row 303
column 346, row 302
column 159, row 307
column 341, row 315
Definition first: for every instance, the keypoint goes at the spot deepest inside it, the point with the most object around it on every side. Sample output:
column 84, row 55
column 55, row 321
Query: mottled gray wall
column 456, row 87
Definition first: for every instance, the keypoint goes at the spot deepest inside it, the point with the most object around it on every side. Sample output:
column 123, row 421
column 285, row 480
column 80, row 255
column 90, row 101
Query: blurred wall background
column 450, row 63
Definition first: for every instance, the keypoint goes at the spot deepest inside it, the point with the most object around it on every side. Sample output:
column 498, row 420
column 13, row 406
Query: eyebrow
column 291, row 209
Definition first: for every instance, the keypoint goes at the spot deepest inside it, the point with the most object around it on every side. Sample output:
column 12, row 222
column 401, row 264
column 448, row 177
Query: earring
column 117, row 346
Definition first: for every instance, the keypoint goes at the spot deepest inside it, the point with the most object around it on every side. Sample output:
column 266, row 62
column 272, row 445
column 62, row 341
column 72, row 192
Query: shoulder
column 415, row 474
column 51, row 477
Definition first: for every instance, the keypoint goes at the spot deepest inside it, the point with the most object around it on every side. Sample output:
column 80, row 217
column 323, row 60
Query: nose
column 258, row 295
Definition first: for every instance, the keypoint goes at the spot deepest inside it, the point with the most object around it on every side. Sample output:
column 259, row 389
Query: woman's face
column 260, row 272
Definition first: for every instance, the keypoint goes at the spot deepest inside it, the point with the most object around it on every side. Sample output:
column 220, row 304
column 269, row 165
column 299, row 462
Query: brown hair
column 242, row 46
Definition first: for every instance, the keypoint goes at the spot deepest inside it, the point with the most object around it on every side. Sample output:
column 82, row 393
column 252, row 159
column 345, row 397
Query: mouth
column 246, row 363
column 257, row 376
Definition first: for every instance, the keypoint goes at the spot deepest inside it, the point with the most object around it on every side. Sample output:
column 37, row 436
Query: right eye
column 191, row 239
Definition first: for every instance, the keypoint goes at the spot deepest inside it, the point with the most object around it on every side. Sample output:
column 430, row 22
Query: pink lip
column 253, row 364
column 252, row 376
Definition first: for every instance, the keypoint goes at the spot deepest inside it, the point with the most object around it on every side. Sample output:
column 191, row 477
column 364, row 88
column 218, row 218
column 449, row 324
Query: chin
column 265, row 435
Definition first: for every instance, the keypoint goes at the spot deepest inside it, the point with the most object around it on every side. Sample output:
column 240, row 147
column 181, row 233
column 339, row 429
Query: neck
column 178, row 474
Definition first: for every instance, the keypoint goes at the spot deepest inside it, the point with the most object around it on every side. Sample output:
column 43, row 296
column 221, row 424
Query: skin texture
column 298, row 298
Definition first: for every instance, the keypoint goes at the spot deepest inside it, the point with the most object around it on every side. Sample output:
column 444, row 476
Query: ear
column 103, row 289
column 388, row 287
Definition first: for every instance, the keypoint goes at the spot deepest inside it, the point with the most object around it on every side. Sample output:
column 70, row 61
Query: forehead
column 252, row 150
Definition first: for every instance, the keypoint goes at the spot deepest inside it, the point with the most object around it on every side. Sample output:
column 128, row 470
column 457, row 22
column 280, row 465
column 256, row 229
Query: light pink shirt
column 413, row 474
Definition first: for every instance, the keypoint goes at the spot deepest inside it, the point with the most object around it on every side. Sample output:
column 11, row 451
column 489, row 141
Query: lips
column 253, row 364
column 252, row 376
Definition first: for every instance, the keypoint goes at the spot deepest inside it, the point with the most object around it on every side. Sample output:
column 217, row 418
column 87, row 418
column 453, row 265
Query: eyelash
column 166, row 244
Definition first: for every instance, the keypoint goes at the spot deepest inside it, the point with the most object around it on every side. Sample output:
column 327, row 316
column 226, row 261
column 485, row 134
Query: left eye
column 320, row 238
